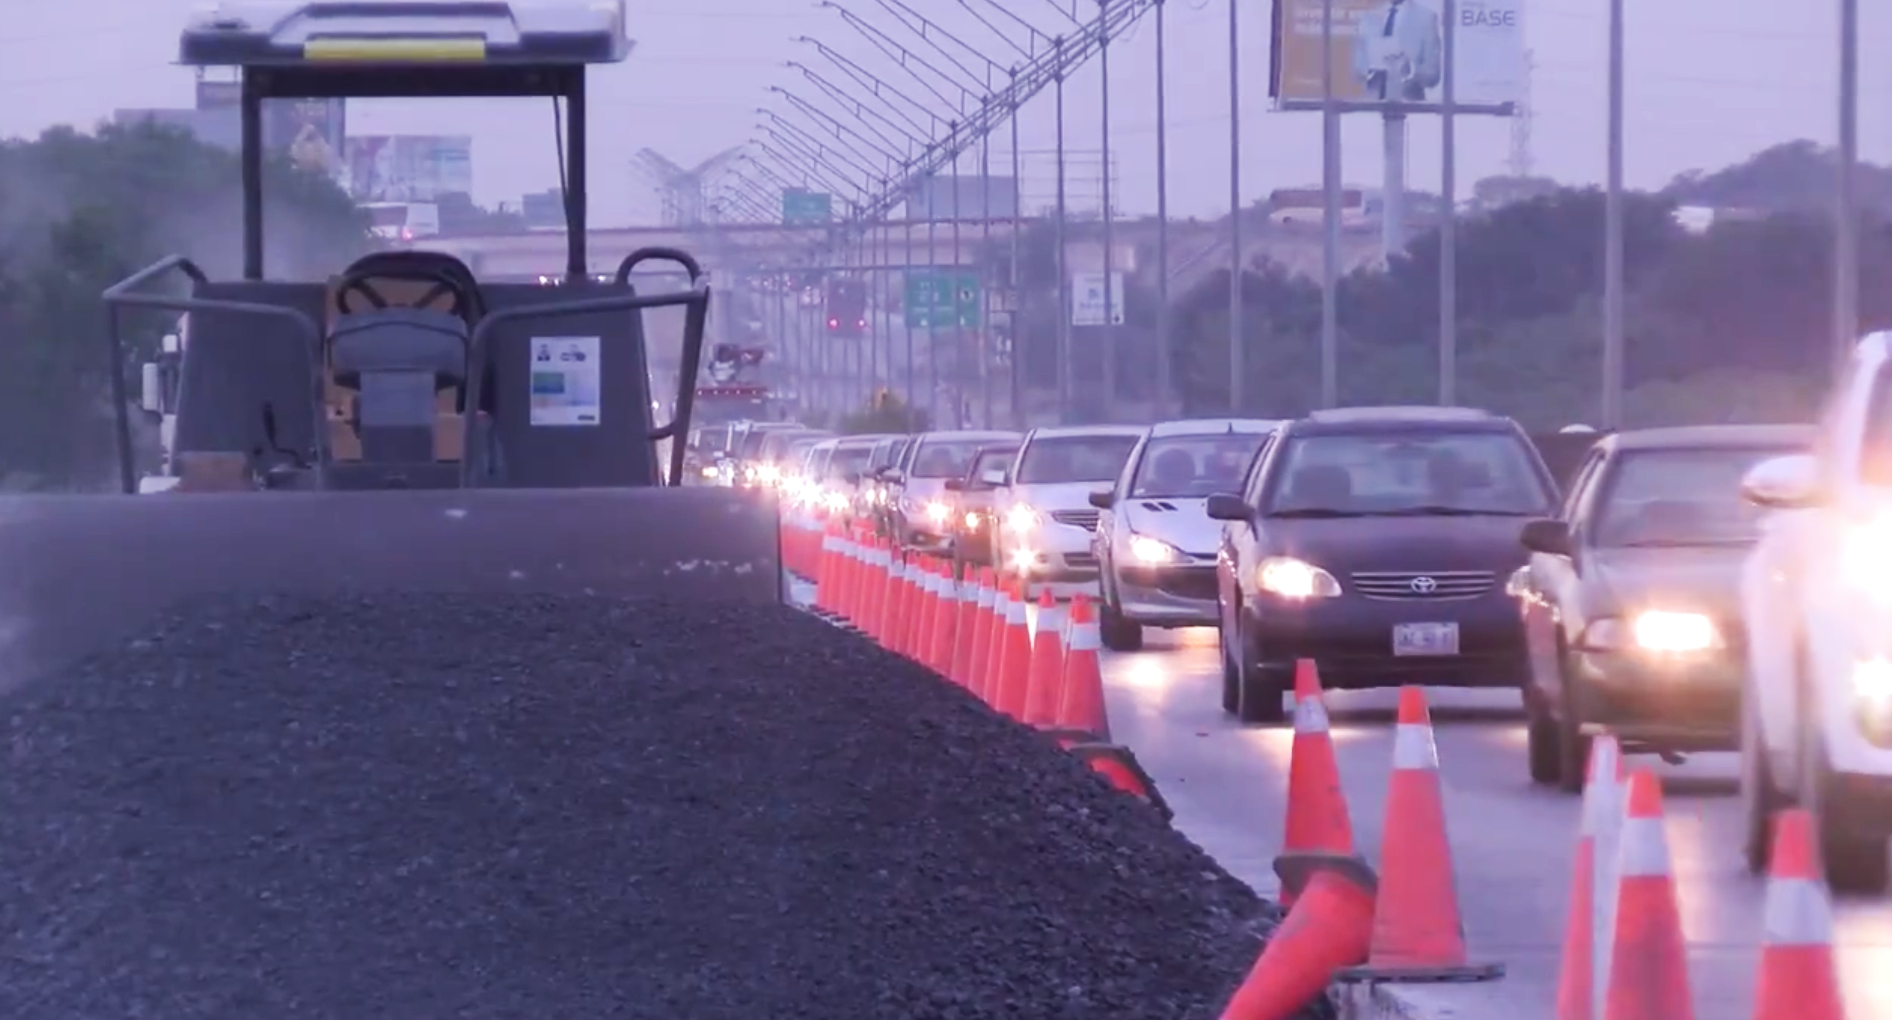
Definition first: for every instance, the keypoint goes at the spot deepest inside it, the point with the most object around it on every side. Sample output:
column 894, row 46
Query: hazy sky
column 1710, row 82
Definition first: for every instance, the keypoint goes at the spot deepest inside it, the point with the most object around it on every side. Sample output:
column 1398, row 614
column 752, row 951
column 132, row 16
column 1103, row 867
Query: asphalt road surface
column 1513, row 842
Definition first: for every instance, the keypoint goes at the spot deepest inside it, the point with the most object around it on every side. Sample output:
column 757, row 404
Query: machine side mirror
column 151, row 393
column 1547, row 535
column 955, row 485
column 1103, row 499
column 995, row 477
column 1226, row 506
column 1791, row 482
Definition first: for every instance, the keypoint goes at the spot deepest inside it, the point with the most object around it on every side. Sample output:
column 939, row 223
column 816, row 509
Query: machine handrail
column 696, row 322
column 123, row 295
column 697, row 299
column 660, row 253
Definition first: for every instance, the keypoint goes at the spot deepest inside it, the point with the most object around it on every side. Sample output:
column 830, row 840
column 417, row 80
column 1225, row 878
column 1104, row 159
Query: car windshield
column 1408, row 473
column 1068, row 459
column 714, row 440
column 991, row 459
column 846, row 460
column 752, row 443
column 1678, row 497
column 943, row 458
column 1193, row 467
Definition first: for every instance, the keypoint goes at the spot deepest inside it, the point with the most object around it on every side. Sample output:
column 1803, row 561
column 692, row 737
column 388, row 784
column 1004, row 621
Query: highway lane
column 1513, row 842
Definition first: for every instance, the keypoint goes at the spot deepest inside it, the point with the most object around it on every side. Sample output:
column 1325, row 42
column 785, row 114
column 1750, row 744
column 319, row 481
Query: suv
column 919, row 515
column 1044, row 508
column 1377, row 542
column 1816, row 596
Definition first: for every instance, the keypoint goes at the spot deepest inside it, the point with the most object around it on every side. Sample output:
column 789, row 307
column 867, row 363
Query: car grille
column 1442, row 584
column 1188, row 583
column 1086, row 519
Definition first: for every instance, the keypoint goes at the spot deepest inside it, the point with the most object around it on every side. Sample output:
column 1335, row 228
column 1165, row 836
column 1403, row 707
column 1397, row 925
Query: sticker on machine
column 565, row 380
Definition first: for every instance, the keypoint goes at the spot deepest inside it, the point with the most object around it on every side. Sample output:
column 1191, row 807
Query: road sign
column 942, row 299
column 807, row 207
column 1087, row 299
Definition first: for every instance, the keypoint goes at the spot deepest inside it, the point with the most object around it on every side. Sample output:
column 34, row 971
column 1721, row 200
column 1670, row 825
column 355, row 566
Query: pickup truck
column 1816, row 602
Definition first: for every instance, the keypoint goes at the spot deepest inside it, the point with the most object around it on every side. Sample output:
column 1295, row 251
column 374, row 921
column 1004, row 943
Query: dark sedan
column 1631, row 596
column 1376, row 541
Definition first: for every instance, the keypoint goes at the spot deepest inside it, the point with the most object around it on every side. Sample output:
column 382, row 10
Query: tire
column 1258, row 694
column 1231, row 676
column 1572, row 746
column 1118, row 634
column 1544, row 744
column 1760, row 797
column 1853, row 856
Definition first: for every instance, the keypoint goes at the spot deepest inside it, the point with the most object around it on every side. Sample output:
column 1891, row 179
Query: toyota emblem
column 1424, row 585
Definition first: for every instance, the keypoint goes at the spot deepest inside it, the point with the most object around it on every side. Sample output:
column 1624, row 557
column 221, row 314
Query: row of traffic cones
column 1624, row 953
column 976, row 632
column 1345, row 921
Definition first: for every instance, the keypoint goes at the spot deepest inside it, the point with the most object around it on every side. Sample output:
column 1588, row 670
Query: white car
column 919, row 510
column 1043, row 504
column 1155, row 542
column 1816, row 594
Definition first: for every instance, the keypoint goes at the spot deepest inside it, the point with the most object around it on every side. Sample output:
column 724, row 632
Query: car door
column 1552, row 583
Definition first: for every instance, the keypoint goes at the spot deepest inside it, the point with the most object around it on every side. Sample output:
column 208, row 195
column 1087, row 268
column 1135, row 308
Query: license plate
column 1425, row 639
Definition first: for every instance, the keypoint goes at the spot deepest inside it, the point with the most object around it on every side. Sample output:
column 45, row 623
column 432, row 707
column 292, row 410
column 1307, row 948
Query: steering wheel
column 360, row 280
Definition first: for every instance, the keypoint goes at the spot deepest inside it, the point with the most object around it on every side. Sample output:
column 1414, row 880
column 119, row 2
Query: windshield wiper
column 1441, row 510
column 1318, row 511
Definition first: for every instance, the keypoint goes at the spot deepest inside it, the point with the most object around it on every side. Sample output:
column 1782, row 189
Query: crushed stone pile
column 428, row 808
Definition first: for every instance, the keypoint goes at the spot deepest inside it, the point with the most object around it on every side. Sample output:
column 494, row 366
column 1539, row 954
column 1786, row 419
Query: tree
column 79, row 212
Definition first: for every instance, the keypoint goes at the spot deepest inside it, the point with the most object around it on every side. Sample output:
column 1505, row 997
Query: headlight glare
column 937, row 513
column 1021, row 518
column 1659, row 630
column 1289, row 578
column 1151, row 551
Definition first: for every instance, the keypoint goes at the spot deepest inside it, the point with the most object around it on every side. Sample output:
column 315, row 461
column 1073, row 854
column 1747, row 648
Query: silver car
column 1155, row 543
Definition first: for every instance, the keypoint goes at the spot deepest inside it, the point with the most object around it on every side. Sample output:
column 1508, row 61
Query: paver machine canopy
column 402, row 425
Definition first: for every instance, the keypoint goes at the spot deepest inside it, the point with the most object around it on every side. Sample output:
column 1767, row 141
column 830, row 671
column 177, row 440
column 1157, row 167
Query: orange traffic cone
column 1082, row 715
column 1418, row 929
column 945, row 622
column 824, row 572
column 846, row 591
column 1044, row 681
column 1327, row 929
column 1578, row 980
column 977, row 634
column 1648, row 962
column 1014, row 659
column 878, row 593
column 1317, row 807
column 899, row 602
column 1798, row 980
column 916, row 609
column 995, row 646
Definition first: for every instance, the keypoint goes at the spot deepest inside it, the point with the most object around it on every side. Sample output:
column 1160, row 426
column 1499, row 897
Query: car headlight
column 1153, row 552
column 1657, row 630
column 1872, row 680
column 938, row 513
column 1519, row 582
column 1866, row 559
column 709, row 471
column 836, row 500
column 972, row 520
column 1289, row 578
column 1021, row 518
column 1023, row 559
column 769, row 474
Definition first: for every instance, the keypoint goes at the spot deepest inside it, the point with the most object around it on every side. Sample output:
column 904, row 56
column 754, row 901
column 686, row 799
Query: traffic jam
column 1585, row 622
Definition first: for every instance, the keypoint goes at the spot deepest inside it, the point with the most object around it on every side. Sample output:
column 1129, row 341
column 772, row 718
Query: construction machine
column 401, row 426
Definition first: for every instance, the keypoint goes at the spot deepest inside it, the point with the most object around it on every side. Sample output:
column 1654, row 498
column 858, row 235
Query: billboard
column 310, row 131
column 968, row 197
column 1392, row 51
column 409, row 168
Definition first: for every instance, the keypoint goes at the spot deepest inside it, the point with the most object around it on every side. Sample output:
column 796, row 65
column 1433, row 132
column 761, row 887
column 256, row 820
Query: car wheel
column 1572, row 745
column 1853, row 855
column 1544, row 742
column 1118, row 634
column 1231, row 675
column 1760, row 797
column 1258, row 690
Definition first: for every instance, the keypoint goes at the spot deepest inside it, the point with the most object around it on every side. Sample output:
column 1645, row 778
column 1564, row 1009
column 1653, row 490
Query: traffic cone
column 897, row 599
column 1418, row 929
column 1579, row 979
column 824, row 572
column 928, row 619
column 879, row 595
column 1082, row 715
column 1014, row 660
column 973, row 637
column 915, row 607
column 995, row 645
column 944, row 622
column 1317, row 807
column 1648, row 962
column 1044, row 683
column 1327, row 929
column 1798, row 980
column 847, row 593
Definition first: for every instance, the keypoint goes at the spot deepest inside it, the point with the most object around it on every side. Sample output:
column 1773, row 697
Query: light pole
column 1846, row 206
column 1448, row 221
column 1613, row 232
column 1164, row 399
column 1237, row 363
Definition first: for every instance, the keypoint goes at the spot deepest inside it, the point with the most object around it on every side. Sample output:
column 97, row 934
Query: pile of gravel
column 573, row 809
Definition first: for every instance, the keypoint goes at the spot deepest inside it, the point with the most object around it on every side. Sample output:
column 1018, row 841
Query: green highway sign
column 942, row 299
column 807, row 207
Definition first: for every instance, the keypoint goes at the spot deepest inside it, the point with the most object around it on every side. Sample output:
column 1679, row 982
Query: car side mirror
column 1546, row 535
column 955, row 485
column 1103, row 499
column 892, row 476
column 854, row 478
column 1791, row 482
column 1226, row 506
column 995, row 477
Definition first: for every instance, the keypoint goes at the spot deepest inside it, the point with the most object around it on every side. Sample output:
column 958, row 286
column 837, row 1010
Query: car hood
column 1183, row 523
column 1061, row 496
column 1693, row 579
column 1416, row 544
